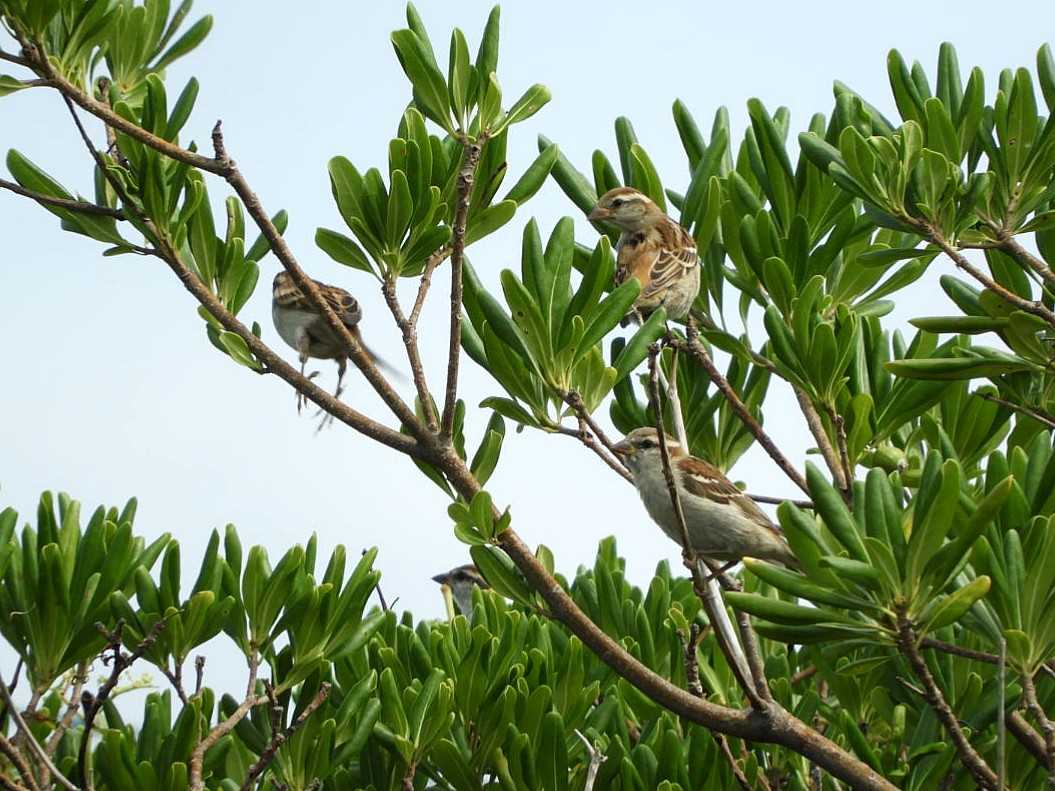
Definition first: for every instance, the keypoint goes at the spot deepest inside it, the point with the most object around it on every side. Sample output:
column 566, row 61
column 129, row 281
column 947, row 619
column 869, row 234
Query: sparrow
column 459, row 581
column 654, row 250
column 724, row 524
column 303, row 327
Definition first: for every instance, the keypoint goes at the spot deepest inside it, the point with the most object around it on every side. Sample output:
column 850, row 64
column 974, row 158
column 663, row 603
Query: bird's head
column 461, row 580
column 627, row 208
column 282, row 281
column 640, row 448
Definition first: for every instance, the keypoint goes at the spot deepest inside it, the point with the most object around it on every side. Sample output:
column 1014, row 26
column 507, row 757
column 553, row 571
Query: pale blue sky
column 110, row 388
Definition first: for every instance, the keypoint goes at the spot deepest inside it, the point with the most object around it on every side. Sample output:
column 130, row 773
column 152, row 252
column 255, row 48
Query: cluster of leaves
column 463, row 704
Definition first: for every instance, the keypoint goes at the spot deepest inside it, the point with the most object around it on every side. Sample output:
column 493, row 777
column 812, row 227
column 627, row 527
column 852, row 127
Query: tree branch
column 704, row 358
column 281, row 737
column 466, row 176
column 410, row 341
column 1009, row 245
column 1028, row 738
column 39, row 63
column 34, row 746
column 221, row 729
column 1039, row 416
column 824, row 444
column 979, row 769
column 934, row 236
column 93, row 704
column 17, row 760
column 1047, row 727
column 434, row 261
column 83, row 207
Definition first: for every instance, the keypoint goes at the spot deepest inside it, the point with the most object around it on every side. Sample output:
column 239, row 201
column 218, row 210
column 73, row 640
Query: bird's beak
column 599, row 213
column 623, row 449
column 440, row 578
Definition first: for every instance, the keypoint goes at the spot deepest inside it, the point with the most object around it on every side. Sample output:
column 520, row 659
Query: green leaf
column 430, row 90
column 949, row 609
column 636, row 350
column 533, row 100
column 530, row 183
column 185, row 43
column 343, row 250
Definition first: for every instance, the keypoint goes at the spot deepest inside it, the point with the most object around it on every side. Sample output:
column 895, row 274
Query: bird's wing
column 675, row 256
column 340, row 301
column 707, row 481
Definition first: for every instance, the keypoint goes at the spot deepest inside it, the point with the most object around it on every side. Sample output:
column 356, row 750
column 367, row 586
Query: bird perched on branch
column 652, row 249
column 723, row 523
column 302, row 325
column 460, row 581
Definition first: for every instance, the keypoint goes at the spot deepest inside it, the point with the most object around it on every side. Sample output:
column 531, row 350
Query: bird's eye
column 617, row 203
column 647, row 443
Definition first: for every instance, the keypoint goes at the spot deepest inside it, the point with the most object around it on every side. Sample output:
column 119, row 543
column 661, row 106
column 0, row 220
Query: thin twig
column 175, row 678
column 933, row 235
column 17, row 760
column 704, row 358
column 1038, row 415
column 224, row 727
column 596, row 759
column 199, row 673
column 15, row 59
column 587, row 438
column 93, row 704
column 690, row 645
column 410, row 341
column 466, row 176
column 806, row 673
column 73, row 704
column 273, row 363
column 769, row 499
column 83, row 207
column 34, row 745
column 282, row 736
column 824, row 444
column 1047, row 727
column 1028, row 737
column 1009, row 245
column 976, row 765
column 433, row 261
column 39, row 63
column 380, row 595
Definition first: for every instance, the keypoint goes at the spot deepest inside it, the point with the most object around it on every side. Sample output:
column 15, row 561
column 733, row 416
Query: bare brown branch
column 17, row 760
column 824, row 443
column 82, row 207
column 410, row 341
column 282, row 736
column 434, row 261
column 1039, row 416
column 466, row 176
column 93, row 704
column 1047, row 727
column 697, row 350
column 976, row 765
column 1009, row 245
column 224, row 727
column 958, row 258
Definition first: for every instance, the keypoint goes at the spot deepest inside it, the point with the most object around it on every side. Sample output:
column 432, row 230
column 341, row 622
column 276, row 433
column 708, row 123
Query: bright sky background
column 110, row 388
